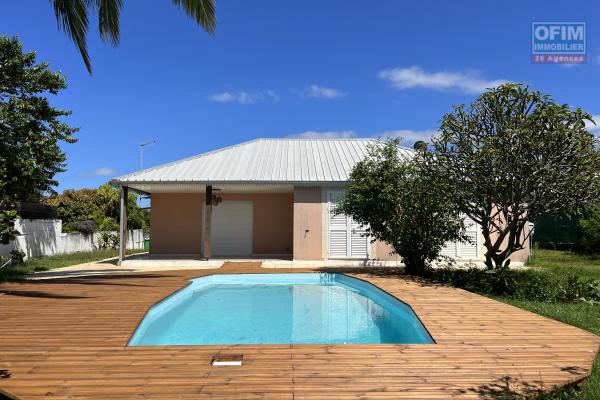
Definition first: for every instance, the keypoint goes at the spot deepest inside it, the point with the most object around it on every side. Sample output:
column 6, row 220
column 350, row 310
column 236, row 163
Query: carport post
column 207, row 222
column 123, row 224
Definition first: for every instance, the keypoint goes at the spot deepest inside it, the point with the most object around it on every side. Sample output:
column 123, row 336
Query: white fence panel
column 44, row 237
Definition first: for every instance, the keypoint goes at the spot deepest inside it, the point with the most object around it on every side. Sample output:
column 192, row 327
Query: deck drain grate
column 227, row 360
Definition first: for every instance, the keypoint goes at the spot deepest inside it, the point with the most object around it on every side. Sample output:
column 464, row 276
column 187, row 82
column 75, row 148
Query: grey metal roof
column 264, row 161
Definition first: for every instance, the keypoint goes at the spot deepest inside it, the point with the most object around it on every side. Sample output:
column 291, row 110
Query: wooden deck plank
column 66, row 338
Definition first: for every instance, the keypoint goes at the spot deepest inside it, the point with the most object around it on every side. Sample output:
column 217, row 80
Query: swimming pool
column 322, row 308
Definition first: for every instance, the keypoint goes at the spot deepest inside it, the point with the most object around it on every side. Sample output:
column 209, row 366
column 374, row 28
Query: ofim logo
column 558, row 42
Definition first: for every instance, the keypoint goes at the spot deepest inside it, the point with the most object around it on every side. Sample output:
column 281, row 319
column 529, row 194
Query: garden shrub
column 17, row 256
column 108, row 240
column 81, row 226
column 577, row 289
column 535, row 285
column 107, row 227
column 503, row 282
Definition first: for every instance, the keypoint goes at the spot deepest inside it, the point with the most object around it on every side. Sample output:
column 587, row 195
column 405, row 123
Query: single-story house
column 271, row 198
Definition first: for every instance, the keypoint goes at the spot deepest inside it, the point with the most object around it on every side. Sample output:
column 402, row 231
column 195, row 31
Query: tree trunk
column 493, row 258
column 496, row 261
column 507, row 239
column 489, row 263
column 414, row 265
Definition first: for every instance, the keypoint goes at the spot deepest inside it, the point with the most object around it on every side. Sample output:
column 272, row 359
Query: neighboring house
column 271, row 198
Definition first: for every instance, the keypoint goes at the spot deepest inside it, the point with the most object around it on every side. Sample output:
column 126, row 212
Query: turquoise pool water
column 279, row 308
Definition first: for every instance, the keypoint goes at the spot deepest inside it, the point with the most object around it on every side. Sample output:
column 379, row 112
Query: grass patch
column 566, row 262
column 57, row 261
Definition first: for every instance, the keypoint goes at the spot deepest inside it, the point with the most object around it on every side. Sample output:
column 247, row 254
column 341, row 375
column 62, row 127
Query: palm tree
column 72, row 17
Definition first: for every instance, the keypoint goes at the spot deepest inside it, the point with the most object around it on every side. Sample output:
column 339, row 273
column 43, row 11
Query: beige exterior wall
column 308, row 226
column 523, row 255
column 284, row 224
column 384, row 252
column 176, row 222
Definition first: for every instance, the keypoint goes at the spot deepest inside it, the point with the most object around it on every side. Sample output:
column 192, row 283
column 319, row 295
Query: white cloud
column 323, row 92
column 469, row 81
column 271, row 93
column 595, row 129
column 104, row 171
column 223, row 97
column 231, row 97
column 408, row 136
column 324, row 135
column 244, row 97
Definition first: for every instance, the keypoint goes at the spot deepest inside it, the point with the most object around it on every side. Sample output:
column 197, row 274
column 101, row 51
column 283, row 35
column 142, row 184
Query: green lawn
column 582, row 315
column 564, row 262
column 57, row 261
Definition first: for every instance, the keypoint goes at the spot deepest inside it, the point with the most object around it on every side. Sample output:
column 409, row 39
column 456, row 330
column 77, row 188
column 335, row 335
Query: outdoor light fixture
column 216, row 200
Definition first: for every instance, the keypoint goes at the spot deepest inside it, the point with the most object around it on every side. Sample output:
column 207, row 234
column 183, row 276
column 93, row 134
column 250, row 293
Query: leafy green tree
column 96, row 205
column 73, row 18
column 512, row 155
column 76, row 205
column 399, row 205
column 589, row 227
column 110, row 199
column 30, row 130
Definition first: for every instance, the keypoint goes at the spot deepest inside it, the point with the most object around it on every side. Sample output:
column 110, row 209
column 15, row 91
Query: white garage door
column 231, row 229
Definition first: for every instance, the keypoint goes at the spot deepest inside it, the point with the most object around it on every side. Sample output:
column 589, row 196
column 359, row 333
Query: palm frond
column 72, row 17
column 202, row 11
column 109, row 12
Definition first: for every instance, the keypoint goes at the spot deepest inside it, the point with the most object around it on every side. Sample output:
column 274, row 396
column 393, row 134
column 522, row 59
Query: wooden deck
column 67, row 338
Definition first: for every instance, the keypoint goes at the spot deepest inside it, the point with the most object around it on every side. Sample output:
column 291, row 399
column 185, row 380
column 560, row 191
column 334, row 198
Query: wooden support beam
column 123, row 224
column 207, row 222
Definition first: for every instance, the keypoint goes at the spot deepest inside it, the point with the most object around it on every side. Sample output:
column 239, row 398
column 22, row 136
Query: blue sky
column 282, row 68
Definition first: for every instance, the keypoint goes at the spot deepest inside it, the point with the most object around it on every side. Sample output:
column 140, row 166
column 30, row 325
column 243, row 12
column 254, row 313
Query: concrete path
column 137, row 264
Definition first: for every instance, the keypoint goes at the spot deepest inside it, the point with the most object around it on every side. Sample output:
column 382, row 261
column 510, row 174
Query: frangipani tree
column 512, row 155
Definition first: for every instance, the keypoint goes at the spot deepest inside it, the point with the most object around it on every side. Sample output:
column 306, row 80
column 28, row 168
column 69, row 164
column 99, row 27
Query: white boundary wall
column 44, row 237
